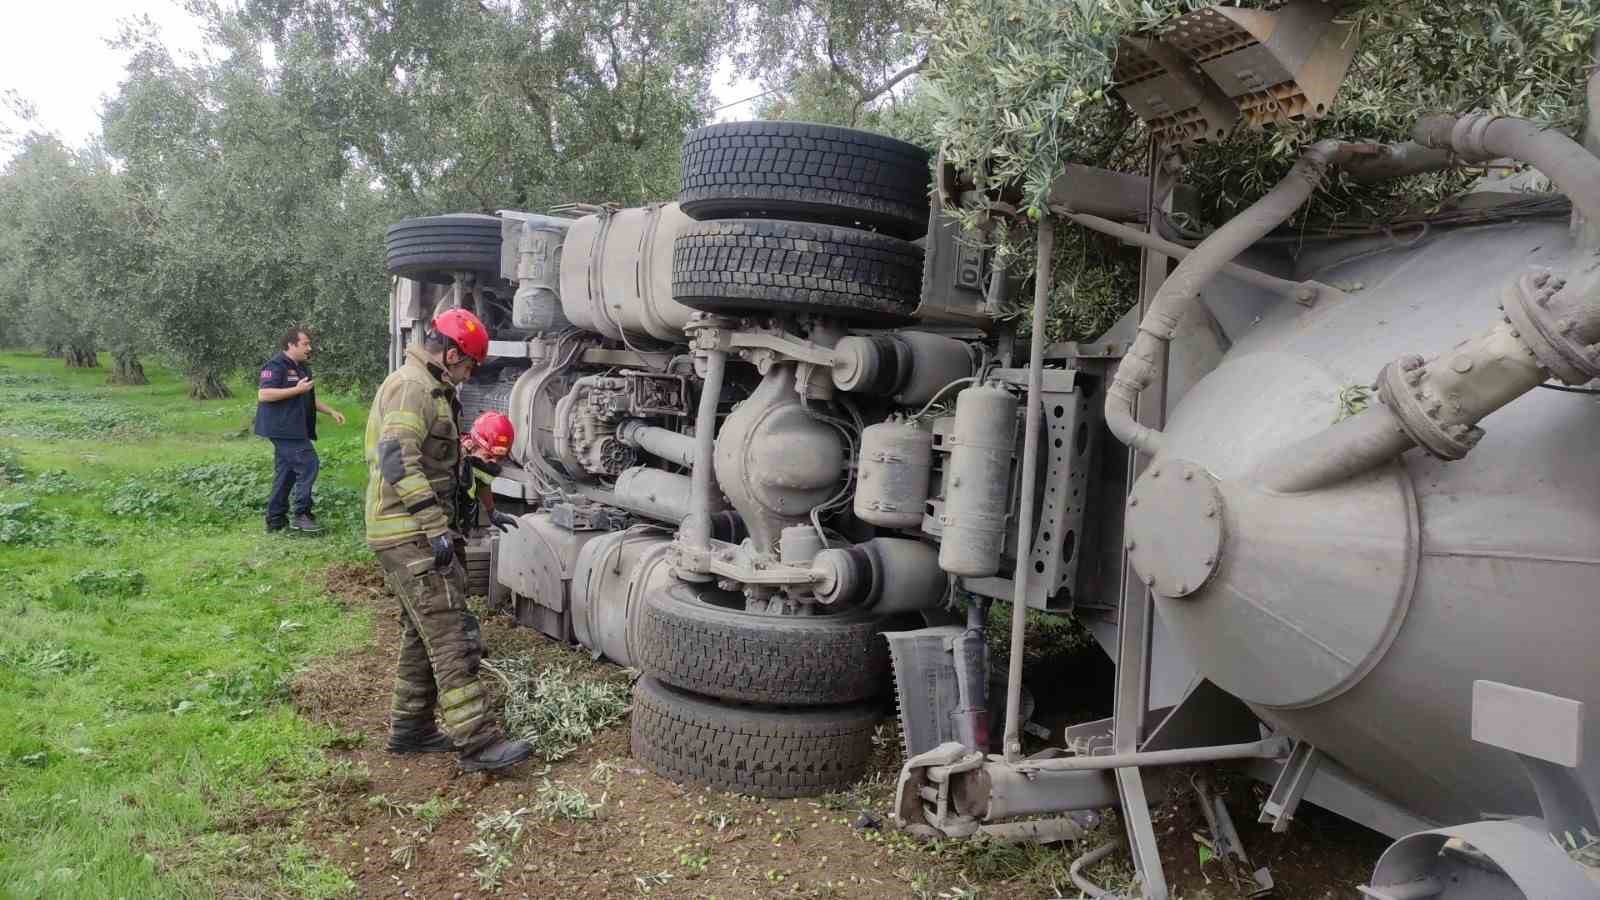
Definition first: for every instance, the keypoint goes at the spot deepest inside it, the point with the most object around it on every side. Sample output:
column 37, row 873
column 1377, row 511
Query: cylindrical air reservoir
column 893, row 473
column 978, row 482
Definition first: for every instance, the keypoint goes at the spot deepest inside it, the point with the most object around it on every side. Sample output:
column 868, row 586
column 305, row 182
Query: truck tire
column 430, row 248
column 766, row 266
column 762, row 751
column 734, row 655
column 811, row 173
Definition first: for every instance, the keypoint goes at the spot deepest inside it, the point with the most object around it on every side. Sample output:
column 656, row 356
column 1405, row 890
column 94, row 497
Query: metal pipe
column 1075, row 871
column 1478, row 376
column 996, row 792
column 1130, row 235
column 653, row 493
column 665, row 443
column 1589, row 232
column 1269, row 748
column 1138, row 368
column 1341, row 451
column 1480, row 137
column 1488, row 372
column 696, row 531
column 972, row 678
column 1400, row 161
column 1030, row 467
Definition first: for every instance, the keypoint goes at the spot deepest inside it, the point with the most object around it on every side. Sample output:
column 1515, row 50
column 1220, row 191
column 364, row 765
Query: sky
column 54, row 54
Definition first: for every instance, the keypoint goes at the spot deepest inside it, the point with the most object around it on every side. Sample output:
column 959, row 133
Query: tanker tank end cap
column 1175, row 527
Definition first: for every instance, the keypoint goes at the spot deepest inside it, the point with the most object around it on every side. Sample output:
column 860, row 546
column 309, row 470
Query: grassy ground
column 148, row 628
column 186, row 711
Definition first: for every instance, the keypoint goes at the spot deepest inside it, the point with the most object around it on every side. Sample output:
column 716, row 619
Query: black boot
column 419, row 740
column 305, row 523
column 276, row 525
column 497, row 754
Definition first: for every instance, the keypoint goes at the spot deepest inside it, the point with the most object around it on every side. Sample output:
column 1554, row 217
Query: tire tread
column 797, row 170
column 762, row 751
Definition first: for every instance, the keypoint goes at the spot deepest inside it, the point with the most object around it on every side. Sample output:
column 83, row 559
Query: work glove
column 503, row 521
column 443, row 552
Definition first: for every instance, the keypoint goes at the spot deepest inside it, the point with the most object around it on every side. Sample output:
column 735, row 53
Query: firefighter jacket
column 413, row 455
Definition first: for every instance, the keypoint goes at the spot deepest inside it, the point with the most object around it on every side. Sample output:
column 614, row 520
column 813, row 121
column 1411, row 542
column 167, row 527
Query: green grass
column 148, row 628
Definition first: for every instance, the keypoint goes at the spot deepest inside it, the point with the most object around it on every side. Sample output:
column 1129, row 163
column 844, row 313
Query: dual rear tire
column 774, row 706
column 792, row 219
column 797, row 218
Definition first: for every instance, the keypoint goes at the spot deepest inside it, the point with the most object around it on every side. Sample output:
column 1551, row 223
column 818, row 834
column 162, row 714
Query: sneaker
column 304, row 522
column 276, row 525
column 497, row 754
column 430, row 741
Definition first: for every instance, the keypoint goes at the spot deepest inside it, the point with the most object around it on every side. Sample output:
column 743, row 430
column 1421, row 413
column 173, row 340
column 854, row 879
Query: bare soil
column 652, row 837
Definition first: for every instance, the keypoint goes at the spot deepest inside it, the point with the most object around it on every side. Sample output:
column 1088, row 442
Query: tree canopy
column 235, row 194
column 232, row 194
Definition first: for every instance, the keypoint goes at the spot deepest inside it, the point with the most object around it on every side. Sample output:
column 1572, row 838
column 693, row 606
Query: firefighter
column 414, row 473
column 486, row 445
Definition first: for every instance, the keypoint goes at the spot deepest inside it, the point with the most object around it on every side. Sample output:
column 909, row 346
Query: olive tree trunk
column 126, row 368
column 207, row 385
column 80, row 357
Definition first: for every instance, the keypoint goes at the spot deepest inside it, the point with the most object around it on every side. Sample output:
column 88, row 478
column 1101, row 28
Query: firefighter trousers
column 440, row 649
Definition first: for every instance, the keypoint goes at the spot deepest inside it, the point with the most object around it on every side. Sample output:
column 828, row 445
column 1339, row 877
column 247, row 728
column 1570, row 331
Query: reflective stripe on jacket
column 413, row 455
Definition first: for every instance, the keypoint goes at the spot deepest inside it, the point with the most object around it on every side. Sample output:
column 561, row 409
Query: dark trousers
column 294, row 471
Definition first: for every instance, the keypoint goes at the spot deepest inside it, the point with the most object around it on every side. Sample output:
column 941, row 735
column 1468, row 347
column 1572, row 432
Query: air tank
column 978, row 482
column 1357, row 617
column 893, row 473
column 616, row 274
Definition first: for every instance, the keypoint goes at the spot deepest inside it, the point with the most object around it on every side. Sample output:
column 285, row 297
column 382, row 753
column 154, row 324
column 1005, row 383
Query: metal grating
column 1272, row 67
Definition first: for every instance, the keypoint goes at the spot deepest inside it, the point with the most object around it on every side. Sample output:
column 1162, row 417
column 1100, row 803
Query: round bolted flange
column 1174, row 534
column 1546, row 329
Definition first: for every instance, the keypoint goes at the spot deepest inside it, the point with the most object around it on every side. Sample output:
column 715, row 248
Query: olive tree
column 65, row 248
column 1022, row 87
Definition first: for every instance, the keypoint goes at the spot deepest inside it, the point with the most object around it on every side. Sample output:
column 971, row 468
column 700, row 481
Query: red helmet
column 466, row 330
column 493, row 430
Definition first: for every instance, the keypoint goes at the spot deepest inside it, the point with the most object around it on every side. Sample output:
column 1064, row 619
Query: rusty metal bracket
column 1290, row 787
column 1218, row 113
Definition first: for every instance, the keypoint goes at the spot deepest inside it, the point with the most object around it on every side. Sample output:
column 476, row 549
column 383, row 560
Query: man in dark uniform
column 286, row 414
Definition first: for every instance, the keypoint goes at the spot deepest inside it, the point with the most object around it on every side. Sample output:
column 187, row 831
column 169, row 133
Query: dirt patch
column 1320, row 856
column 351, row 690
column 356, row 584
column 417, row 828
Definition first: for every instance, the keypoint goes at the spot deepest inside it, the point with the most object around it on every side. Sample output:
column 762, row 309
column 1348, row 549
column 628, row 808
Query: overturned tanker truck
column 778, row 450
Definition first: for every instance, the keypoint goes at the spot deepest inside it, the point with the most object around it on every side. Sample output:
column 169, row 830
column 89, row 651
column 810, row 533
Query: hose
column 1480, row 138
column 1079, row 880
column 1143, row 360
